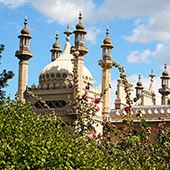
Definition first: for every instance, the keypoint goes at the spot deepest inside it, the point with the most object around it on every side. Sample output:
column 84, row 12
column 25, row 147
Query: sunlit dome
column 62, row 68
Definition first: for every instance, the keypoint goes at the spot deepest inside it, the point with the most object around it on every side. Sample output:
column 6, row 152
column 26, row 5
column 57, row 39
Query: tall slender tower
column 79, row 45
column 106, row 64
column 165, row 90
column 23, row 54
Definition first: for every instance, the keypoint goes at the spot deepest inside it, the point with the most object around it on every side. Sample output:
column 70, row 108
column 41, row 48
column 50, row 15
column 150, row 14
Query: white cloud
column 93, row 32
column 64, row 11
column 13, row 3
column 150, row 17
column 137, row 57
column 161, row 53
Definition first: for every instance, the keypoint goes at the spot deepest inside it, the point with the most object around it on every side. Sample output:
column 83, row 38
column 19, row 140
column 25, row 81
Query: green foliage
column 32, row 141
column 4, row 76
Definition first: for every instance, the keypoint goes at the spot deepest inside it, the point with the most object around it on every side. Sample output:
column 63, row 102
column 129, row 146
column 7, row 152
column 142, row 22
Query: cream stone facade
column 56, row 86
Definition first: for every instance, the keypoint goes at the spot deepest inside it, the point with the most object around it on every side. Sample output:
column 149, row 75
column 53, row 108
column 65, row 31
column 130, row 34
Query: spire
column 25, row 29
column 139, row 83
column 107, row 31
column 152, row 75
column 56, row 44
column 80, row 26
column 56, row 49
column 165, row 73
column 25, row 21
column 152, row 88
column 80, row 16
column 107, row 40
column 68, row 33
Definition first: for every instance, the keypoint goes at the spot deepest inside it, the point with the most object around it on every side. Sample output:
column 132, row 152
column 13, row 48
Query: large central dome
column 60, row 70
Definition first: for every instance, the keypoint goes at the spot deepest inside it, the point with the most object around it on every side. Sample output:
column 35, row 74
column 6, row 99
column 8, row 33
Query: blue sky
column 139, row 30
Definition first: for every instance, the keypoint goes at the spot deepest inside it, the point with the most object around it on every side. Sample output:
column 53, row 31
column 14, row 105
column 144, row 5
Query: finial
column 56, row 44
column 139, row 76
column 80, row 16
column 68, row 32
column 165, row 65
column 107, row 31
column 56, row 36
column 25, row 21
column 152, row 75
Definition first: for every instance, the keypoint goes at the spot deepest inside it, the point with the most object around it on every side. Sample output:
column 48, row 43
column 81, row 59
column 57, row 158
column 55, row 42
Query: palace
column 56, row 86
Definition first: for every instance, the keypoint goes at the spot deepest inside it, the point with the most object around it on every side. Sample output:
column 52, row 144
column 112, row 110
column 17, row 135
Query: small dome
column 107, row 40
column 25, row 29
column 139, row 83
column 165, row 73
column 56, row 44
column 61, row 69
column 80, row 25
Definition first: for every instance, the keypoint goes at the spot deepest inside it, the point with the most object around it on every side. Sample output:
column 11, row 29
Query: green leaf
column 144, row 123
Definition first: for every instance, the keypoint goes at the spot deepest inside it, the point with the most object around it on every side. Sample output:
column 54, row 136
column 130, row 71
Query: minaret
column 152, row 88
column 79, row 45
column 165, row 91
column 139, row 88
column 23, row 54
column 56, row 51
column 106, row 63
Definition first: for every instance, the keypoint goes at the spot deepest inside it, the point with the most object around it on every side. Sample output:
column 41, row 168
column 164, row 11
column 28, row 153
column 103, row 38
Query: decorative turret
column 107, row 47
column 152, row 88
column 23, row 55
column 79, row 46
column 165, row 91
column 106, row 63
column 56, row 51
column 139, row 88
column 80, row 37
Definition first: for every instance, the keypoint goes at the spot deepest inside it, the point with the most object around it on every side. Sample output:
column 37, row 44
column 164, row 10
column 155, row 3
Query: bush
column 31, row 141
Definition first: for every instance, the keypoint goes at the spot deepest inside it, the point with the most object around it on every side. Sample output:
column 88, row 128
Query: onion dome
column 56, row 49
column 139, row 83
column 56, row 44
column 25, row 29
column 107, row 40
column 165, row 73
column 60, row 71
column 80, row 26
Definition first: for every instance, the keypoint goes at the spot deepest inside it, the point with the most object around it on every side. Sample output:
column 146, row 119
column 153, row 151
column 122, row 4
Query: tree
column 4, row 76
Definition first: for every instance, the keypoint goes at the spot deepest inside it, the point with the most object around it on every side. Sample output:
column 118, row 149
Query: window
column 81, row 37
column 78, row 37
column 58, row 75
column 51, row 104
column 64, row 75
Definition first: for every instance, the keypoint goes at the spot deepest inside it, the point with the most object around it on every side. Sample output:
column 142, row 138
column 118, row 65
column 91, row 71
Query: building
column 56, row 85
